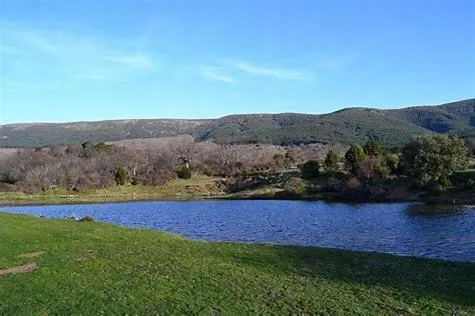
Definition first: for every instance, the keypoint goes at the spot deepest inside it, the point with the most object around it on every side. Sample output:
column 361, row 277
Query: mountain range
column 393, row 127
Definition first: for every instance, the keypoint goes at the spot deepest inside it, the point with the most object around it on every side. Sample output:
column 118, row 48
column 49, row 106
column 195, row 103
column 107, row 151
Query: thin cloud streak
column 214, row 73
column 71, row 53
column 275, row 72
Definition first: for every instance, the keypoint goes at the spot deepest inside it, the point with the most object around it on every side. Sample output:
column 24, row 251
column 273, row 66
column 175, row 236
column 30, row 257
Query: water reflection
column 419, row 209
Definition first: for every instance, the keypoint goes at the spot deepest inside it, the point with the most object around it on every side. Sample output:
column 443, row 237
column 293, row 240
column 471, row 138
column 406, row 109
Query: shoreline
column 251, row 243
column 103, row 261
column 97, row 199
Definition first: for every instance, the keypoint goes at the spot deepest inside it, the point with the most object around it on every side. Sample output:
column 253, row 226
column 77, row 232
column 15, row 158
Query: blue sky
column 103, row 59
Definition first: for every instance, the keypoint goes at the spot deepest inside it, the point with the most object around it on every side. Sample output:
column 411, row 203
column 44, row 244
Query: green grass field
column 92, row 268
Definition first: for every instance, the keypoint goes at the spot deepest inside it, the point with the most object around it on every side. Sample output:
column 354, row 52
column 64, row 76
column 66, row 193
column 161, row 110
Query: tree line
column 100, row 165
column 427, row 159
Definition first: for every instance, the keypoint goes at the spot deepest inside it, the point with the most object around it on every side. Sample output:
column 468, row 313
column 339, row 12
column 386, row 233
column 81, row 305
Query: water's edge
column 408, row 229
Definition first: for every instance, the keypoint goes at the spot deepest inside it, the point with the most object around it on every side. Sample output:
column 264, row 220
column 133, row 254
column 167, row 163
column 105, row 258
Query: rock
column 87, row 218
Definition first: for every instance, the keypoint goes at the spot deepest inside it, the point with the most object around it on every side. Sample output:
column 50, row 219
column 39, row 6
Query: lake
column 397, row 228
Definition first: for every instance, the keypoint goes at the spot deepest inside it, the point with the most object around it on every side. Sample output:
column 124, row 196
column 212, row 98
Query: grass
column 177, row 189
column 93, row 268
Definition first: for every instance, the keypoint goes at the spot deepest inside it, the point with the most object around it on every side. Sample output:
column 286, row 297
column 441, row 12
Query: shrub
column 333, row 185
column 392, row 162
column 184, row 172
column 310, row 169
column 121, row 175
column 207, row 171
column 382, row 171
column 354, row 158
column 445, row 182
column 372, row 149
column 295, row 186
column 332, row 161
column 464, row 179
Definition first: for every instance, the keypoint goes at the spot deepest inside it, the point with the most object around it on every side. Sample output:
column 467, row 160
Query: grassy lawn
column 92, row 268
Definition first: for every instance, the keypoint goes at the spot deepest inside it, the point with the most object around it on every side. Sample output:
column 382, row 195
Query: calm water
column 398, row 228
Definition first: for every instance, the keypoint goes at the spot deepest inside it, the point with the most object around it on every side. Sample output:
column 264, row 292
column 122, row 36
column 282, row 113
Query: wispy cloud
column 134, row 60
column 275, row 72
column 78, row 54
column 215, row 73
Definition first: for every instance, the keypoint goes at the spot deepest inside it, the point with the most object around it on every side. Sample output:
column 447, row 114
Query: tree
column 310, row 169
column 392, row 162
column 372, row 149
column 184, row 172
column 121, row 175
column 434, row 158
column 354, row 158
column 332, row 161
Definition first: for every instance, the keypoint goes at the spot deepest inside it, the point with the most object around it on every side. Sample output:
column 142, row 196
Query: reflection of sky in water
column 431, row 231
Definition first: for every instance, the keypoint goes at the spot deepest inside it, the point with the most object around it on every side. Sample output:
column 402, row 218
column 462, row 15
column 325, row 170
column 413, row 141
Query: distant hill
column 389, row 127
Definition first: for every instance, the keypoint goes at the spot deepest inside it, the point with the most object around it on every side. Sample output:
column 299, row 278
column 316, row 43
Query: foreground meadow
column 52, row 266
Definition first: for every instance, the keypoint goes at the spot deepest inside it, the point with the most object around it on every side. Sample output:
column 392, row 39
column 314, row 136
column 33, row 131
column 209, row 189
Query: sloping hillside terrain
column 389, row 127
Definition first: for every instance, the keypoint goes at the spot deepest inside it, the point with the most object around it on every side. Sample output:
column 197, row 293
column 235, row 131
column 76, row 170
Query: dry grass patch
column 20, row 269
column 31, row 254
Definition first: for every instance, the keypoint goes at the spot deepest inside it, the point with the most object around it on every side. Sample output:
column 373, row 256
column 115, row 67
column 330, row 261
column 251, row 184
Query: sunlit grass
column 89, row 268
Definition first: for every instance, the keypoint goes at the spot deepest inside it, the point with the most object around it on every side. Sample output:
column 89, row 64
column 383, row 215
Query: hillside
column 43, row 134
column 389, row 127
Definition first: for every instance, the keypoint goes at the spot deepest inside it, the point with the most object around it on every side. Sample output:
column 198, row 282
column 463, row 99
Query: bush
column 121, row 176
column 207, row 171
column 310, row 169
column 184, row 172
column 333, row 185
column 295, row 186
column 354, row 158
column 332, row 161
column 382, row 171
column 464, row 179
column 445, row 182
column 392, row 162
column 372, row 149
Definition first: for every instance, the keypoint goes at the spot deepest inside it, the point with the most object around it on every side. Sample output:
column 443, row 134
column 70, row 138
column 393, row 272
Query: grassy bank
column 89, row 268
column 204, row 187
column 198, row 187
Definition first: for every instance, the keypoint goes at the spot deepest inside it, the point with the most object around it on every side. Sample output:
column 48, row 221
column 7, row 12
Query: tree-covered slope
column 389, row 127
column 37, row 135
column 345, row 126
column 457, row 117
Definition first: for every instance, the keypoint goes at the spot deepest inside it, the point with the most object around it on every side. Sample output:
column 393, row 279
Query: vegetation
column 91, row 173
column 122, row 176
column 332, row 161
column 99, row 268
column 184, row 172
column 310, row 169
column 354, row 158
column 434, row 158
column 198, row 187
column 355, row 125
column 372, row 149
